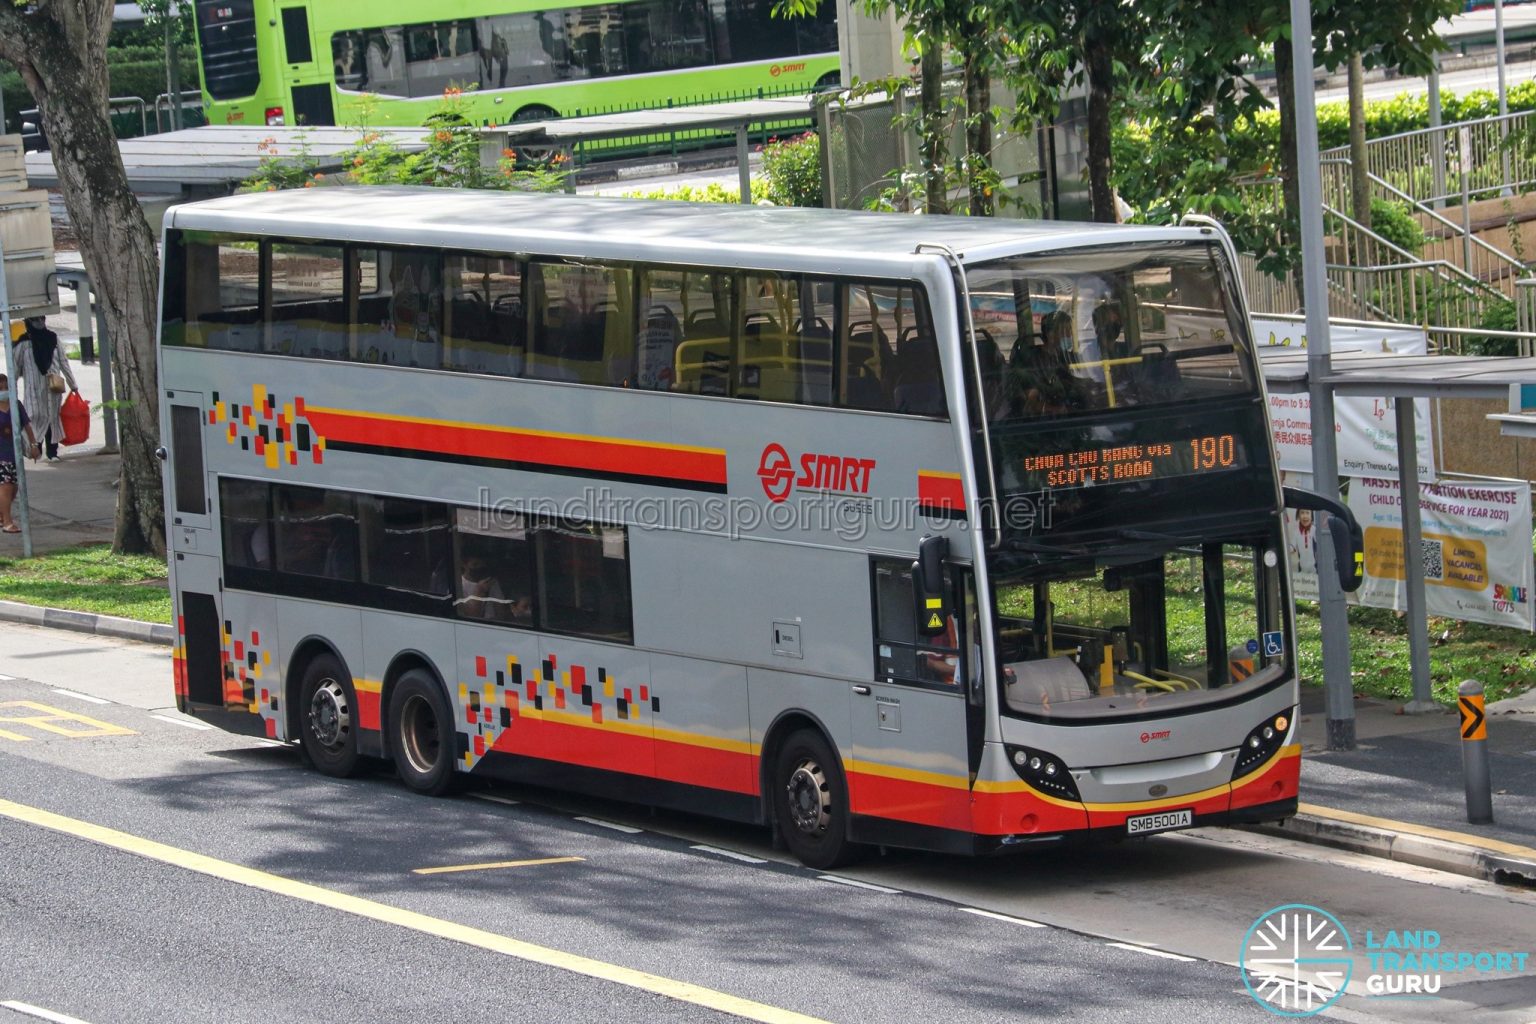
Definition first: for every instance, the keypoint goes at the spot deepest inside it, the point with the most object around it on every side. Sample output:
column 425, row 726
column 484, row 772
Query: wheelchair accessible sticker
column 1274, row 644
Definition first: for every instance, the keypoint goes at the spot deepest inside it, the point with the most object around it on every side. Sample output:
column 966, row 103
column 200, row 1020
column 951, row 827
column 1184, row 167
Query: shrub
column 1396, row 224
column 793, row 169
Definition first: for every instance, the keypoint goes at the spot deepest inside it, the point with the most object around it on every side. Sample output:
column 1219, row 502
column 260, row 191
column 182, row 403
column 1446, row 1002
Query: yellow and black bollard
column 1474, row 752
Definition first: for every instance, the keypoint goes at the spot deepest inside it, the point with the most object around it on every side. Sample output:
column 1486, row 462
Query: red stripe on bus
column 367, row 709
column 1020, row 812
column 942, row 492
column 920, row 803
column 1281, row 780
column 588, row 453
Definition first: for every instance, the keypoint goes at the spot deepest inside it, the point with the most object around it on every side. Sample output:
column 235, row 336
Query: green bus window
column 440, row 54
column 370, row 60
column 296, row 35
column 666, row 36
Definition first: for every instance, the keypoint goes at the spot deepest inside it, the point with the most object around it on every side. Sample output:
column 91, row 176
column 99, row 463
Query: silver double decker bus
column 930, row 532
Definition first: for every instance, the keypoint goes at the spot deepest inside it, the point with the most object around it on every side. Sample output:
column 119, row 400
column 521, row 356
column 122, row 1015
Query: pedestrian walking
column 43, row 370
column 11, row 410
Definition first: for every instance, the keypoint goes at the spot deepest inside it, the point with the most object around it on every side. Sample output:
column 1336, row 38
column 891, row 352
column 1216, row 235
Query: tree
column 59, row 46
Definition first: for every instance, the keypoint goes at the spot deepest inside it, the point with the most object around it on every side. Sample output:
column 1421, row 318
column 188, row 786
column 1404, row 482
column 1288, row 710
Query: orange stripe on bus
column 940, row 490
column 571, row 451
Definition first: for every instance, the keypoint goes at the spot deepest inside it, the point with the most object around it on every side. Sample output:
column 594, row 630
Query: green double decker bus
column 290, row 62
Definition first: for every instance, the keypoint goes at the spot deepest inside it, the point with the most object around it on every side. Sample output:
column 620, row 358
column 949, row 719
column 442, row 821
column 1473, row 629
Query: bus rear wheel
column 421, row 734
column 810, row 802
column 328, row 704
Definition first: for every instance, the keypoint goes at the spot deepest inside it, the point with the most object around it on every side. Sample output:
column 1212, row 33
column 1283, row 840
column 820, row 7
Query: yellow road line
column 496, row 864
column 681, row 991
column 1428, row 832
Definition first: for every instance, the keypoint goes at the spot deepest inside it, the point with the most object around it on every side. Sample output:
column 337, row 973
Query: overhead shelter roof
column 214, row 157
column 701, row 116
column 1383, row 375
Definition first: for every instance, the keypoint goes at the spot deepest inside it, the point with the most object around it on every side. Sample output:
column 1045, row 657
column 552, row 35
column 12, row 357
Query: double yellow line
column 682, row 991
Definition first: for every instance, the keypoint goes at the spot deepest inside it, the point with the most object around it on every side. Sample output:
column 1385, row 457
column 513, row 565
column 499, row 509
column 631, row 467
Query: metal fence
column 1444, row 238
column 1438, row 166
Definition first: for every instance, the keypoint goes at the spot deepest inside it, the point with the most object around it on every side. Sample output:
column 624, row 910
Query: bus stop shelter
column 737, row 117
column 1375, row 375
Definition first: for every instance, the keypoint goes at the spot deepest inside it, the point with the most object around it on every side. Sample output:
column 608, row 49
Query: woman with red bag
column 44, row 369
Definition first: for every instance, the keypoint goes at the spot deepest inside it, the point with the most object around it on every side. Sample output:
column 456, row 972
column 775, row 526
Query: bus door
column 309, row 81
column 193, row 550
column 911, row 764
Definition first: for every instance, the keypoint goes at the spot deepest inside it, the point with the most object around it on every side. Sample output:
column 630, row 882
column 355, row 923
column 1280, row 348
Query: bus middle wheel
column 421, row 734
column 328, row 706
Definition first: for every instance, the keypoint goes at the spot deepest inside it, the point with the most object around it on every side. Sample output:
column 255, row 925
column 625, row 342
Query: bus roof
column 636, row 229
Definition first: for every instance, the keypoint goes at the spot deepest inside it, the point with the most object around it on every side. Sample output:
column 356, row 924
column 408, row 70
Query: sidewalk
column 1397, row 795
column 72, row 501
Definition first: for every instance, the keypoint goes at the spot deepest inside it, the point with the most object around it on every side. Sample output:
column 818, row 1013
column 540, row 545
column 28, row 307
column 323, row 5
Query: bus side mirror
column 928, row 586
column 1348, row 540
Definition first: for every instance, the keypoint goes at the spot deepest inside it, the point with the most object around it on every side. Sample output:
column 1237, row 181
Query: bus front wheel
column 328, row 704
column 421, row 733
column 810, row 801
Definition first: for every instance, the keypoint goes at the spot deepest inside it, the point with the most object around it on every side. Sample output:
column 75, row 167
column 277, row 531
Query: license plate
column 1162, row 821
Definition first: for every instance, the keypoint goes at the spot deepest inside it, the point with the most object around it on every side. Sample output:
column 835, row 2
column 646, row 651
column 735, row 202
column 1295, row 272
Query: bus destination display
column 1090, row 466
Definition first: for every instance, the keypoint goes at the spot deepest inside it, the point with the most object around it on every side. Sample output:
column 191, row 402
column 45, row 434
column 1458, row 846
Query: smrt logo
column 784, row 69
column 1148, row 737
column 845, row 474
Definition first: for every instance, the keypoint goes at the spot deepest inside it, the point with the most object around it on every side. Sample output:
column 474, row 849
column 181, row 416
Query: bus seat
column 1036, row 684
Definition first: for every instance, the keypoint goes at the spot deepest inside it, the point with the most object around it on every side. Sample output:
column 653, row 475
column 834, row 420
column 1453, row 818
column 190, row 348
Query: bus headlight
column 1043, row 771
column 1261, row 744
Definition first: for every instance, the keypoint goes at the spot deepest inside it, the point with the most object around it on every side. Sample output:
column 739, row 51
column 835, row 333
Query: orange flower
column 318, row 176
column 443, row 135
column 357, row 161
column 509, row 154
column 309, row 184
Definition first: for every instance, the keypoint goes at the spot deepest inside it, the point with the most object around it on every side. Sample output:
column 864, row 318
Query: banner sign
column 1289, row 332
column 1477, row 548
column 1366, row 429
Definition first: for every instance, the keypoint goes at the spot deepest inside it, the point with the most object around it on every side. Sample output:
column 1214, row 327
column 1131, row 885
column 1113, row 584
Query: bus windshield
column 1143, row 630
column 1098, row 329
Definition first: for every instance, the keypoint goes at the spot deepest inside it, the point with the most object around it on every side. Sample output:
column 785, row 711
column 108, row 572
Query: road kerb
column 1409, row 843
column 88, row 622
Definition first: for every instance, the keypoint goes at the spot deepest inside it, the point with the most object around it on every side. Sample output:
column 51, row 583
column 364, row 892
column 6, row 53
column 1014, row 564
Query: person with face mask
column 12, row 413
column 1048, row 384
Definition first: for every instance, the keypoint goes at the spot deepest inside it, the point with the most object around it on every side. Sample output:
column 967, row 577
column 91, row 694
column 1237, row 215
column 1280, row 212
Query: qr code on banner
column 1434, row 561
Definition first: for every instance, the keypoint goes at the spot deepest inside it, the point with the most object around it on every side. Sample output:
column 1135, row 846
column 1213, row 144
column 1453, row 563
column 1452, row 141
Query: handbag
column 75, row 419
column 56, row 383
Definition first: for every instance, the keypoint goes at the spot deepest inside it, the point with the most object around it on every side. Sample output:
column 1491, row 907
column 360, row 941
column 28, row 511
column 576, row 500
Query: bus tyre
column 421, row 733
column 810, row 801
column 328, row 706
column 535, row 157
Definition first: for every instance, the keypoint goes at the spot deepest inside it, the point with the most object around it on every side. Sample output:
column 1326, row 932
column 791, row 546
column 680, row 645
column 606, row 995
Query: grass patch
column 90, row 578
column 1503, row 659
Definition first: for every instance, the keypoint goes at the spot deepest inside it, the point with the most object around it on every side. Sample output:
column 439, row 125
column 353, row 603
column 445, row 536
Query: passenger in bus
column 316, row 540
column 1048, row 387
column 481, row 595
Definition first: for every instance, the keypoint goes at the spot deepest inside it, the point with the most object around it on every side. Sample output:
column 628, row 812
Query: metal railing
column 1444, row 238
column 1438, row 165
column 191, row 109
column 1525, row 305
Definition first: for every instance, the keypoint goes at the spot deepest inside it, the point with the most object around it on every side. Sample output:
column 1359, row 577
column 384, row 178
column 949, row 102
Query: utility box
column 13, row 164
column 26, row 234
